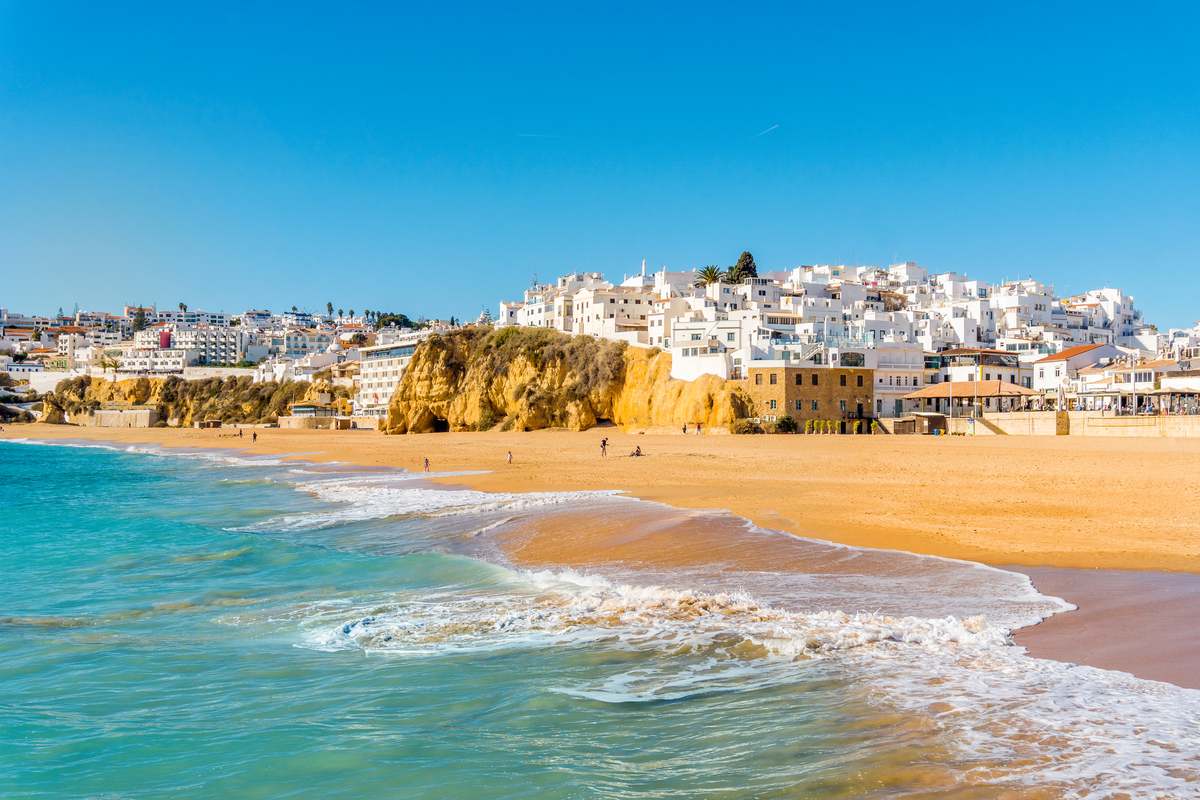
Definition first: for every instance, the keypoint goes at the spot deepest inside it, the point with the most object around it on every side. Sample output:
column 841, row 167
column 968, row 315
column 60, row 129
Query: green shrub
column 786, row 424
column 875, row 426
column 746, row 427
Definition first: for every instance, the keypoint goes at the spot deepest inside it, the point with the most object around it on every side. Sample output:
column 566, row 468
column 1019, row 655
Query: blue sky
column 432, row 161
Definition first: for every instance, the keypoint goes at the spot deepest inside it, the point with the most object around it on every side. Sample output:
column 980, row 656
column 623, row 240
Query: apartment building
column 380, row 369
column 155, row 361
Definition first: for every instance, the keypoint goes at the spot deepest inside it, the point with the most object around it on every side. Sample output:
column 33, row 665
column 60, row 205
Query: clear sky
column 432, row 161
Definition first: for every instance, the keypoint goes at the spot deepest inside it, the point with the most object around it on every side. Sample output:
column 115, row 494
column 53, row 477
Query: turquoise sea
column 205, row 625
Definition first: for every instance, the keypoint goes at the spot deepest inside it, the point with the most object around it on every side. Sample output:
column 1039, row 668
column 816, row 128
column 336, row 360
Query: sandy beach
column 1104, row 523
column 1031, row 501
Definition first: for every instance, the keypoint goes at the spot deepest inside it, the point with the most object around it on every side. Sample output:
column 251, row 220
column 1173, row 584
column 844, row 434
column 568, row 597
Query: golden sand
column 1054, row 501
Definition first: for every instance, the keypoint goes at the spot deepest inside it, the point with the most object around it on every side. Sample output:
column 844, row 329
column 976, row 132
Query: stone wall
column 1077, row 423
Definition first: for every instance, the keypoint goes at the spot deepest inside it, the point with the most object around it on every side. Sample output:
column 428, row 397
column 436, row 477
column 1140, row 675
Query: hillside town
column 857, row 346
column 366, row 353
column 901, row 339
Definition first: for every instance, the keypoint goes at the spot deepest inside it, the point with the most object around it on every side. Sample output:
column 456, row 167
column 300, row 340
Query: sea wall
column 529, row 378
column 1077, row 423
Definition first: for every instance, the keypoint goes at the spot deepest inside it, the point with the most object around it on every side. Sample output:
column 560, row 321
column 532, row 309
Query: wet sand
column 1143, row 623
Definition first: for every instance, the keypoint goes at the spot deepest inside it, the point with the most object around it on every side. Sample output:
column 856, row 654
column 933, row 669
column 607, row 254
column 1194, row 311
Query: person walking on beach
column 604, row 447
column 510, row 456
column 427, row 463
column 685, row 429
column 241, row 434
column 697, row 428
column 254, row 436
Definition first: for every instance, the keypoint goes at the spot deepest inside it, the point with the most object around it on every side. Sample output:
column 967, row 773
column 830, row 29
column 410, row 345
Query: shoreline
column 1106, row 503
column 1129, row 618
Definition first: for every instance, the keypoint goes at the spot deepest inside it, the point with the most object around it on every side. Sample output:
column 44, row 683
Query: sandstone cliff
column 235, row 400
column 526, row 379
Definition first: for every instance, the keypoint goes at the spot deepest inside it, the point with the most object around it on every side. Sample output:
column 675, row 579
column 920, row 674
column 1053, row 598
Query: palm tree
column 340, row 313
column 183, row 307
column 293, row 309
column 352, row 313
column 329, row 308
column 710, row 274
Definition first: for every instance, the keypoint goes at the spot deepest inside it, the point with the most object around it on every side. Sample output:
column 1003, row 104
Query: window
column 773, row 380
column 799, row 405
column 799, row 380
column 729, row 337
column 758, row 379
column 841, row 380
column 860, row 380
column 842, row 406
column 773, row 404
column 815, row 405
column 815, row 379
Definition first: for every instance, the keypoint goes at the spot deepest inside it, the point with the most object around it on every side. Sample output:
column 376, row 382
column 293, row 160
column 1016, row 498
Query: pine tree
column 744, row 269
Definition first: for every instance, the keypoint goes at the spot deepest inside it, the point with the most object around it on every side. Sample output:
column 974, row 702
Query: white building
column 156, row 361
column 891, row 318
column 1056, row 372
column 380, row 369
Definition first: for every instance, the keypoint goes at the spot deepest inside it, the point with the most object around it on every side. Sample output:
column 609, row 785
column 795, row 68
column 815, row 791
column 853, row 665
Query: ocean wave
column 357, row 499
column 1013, row 719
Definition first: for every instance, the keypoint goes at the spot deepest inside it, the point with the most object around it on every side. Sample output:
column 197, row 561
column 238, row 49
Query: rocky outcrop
column 233, row 400
column 527, row 379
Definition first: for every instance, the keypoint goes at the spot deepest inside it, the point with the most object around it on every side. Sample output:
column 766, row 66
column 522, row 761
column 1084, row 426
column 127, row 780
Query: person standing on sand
column 604, row 447
column 510, row 456
column 254, row 436
column 427, row 464
column 697, row 428
column 685, row 429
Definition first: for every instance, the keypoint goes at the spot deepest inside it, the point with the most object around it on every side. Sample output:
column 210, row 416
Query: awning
column 961, row 389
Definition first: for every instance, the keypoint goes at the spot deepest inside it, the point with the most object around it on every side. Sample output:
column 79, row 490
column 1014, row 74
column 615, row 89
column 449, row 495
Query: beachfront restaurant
column 971, row 398
column 1176, row 394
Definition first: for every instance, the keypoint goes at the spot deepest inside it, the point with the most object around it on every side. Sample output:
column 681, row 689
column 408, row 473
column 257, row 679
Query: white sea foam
column 369, row 497
column 1092, row 733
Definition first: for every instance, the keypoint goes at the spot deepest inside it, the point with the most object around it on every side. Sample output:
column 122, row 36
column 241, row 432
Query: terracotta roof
column 1070, row 352
column 1158, row 364
column 970, row 389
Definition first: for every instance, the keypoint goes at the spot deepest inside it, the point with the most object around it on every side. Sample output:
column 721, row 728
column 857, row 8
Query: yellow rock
column 527, row 379
column 184, row 402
